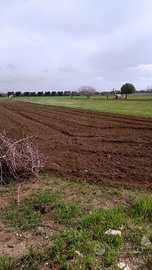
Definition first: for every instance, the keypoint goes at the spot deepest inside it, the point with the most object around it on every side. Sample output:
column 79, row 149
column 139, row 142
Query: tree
column 72, row 94
column 40, row 94
column 47, row 94
column 26, row 94
column 86, row 91
column 10, row 93
column 60, row 93
column 67, row 93
column 18, row 94
column 127, row 88
column 32, row 94
column 148, row 89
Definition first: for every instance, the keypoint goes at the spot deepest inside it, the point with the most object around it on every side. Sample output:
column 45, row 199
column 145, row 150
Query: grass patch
column 3, row 98
column 72, row 230
column 136, row 108
column 142, row 208
column 21, row 218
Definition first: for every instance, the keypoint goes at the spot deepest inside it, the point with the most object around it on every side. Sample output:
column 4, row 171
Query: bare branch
column 18, row 159
column 87, row 91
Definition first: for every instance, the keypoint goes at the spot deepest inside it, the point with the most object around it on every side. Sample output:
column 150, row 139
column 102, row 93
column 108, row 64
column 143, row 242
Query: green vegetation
column 70, row 229
column 142, row 208
column 136, row 108
column 2, row 98
column 127, row 88
column 25, row 217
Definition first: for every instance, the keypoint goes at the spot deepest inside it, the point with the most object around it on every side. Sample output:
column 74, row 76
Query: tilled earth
column 99, row 147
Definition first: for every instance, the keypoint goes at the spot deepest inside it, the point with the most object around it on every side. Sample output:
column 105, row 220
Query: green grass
column 140, row 96
column 8, row 263
column 3, row 98
column 142, row 208
column 76, row 228
column 136, row 108
column 24, row 217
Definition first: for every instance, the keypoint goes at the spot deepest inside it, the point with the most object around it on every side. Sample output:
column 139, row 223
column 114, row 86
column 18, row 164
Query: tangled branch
column 18, row 159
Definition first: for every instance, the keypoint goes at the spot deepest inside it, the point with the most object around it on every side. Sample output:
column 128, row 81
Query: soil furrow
column 102, row 147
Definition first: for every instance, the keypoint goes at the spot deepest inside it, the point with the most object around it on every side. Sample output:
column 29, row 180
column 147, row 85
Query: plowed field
column 99, row 147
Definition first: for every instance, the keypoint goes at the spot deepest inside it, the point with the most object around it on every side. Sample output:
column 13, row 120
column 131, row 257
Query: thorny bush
column 18, row 159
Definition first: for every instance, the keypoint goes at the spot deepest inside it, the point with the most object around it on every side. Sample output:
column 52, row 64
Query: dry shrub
column 18, row 159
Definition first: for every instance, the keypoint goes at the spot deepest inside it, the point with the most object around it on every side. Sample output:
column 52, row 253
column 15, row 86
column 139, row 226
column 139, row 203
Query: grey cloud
column 59, row 80
column 67, row 69
column 45, row 71
column 11, row 66
column 75, row 42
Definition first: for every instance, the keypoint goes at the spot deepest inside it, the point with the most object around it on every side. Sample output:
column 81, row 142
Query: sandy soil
column 101, row 147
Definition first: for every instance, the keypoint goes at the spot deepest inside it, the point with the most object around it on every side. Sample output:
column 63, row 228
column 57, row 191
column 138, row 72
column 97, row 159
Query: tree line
column 82, row 91
column 34, row 94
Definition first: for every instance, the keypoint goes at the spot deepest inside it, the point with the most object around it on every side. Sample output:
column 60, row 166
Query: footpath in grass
column 49, row 223
column 136, row 108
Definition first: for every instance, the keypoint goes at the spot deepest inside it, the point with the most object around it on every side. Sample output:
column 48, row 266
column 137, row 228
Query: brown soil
column 101, row 147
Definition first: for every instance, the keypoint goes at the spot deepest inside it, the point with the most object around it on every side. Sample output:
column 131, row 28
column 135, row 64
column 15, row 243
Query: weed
column 25, row 188
column 80, row 230
column 142, row 208
column 45, row 196
column 46, row 175
column 66, row 212
column 82, row 182
column 4, row 191
column 8, row 263
column 114, row 217
column 92, row 220
column 34, row 257
column 150, row 236
column 23, row 217
column 133, row 196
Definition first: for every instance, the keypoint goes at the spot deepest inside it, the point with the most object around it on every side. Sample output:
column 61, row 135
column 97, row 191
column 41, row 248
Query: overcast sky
column 59, row 45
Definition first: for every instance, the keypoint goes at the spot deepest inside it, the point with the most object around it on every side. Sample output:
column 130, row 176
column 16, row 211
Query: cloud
column 98, row 78
column 142, row 67
column 147, row 67
column 142, row 78
column 71, row 43
column 67, row 69
column 11, row 66
column 45, row 71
